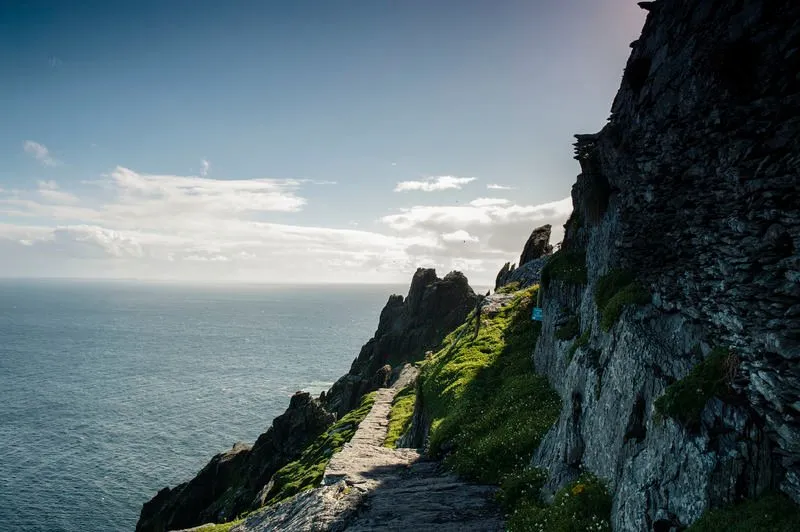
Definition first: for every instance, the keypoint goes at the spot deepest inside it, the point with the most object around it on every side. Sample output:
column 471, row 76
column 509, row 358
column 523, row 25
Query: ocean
column 111, row 390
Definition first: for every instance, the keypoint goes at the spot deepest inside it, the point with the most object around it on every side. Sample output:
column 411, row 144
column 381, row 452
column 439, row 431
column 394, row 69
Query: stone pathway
column 369, row 487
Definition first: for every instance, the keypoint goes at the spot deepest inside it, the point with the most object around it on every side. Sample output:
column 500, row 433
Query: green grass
column 401, row 414
column 580, row 342
column 509, row 288
column 774, row 512
column 567, row 266
column 520, row 488
column 306, row 472
column 489, row 410
column 583, row 505
column 614, row 291
column 221, row 527
column 685, row 399
column 570, row 329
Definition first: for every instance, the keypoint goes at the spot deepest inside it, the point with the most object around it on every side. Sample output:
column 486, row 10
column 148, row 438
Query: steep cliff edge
column 243, row 479
column 672, row 312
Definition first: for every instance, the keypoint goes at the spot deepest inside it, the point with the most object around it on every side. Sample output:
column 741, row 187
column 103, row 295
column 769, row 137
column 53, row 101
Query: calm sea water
column 110, row 391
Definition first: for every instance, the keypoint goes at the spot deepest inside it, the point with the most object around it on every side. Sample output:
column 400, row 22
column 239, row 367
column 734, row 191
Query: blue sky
column 294, row 141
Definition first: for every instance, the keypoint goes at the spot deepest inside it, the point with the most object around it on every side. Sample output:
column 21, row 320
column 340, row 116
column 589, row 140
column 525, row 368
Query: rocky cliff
column 535, row 253
column 236, row 481
column 672, row 312
column 671, row 330
column 230, row 483
column 406, row 330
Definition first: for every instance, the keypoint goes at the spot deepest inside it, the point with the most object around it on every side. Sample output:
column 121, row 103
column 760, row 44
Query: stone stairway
column 370, row 487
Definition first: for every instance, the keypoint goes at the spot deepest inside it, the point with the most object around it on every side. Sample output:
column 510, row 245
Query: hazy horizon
column 302, row 143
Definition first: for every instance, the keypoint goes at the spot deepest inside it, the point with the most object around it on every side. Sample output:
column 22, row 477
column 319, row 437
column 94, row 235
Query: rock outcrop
column 407, row 328
column 692, row 188
column 534, row 255
column 230, row 483
column 502, row 276
column 537, row 246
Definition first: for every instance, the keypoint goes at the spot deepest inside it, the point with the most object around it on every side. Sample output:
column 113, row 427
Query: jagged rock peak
column 407, row 328
column 537, row 246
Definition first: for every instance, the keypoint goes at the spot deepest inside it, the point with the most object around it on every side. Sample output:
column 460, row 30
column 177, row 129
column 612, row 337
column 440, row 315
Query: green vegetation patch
column 685, row 399
column 400, row 415
column 570, row 329
column 520, row 488
column 580, row 506
column 567, row 266
column 580, row 342
column 614, row 291
column 306, row 472
column 489, row 409
column 509, row 288
column 221, row 527
column 774, row 512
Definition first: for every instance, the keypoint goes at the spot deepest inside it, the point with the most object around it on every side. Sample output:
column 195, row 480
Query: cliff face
column 407, row 328
column 692, row 188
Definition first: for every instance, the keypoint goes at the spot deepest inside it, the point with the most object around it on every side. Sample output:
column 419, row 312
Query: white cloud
column 130, row 224
column 459, row 236
column 488, row 202
column 179, row 227
column 497, row 229
column 39, row 152
column 432, row 184
column 50, row 192
column 205, row 167
column 494, row 186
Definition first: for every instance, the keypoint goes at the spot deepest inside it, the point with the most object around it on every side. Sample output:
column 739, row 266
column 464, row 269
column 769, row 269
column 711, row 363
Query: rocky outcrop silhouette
column 407, row 328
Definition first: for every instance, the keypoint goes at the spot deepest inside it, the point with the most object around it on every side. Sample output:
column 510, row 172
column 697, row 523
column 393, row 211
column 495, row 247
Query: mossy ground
column 221, row 527
column 509, row 288
column 685, row 399
column 773, row 512
column 615, row 291
column 306, row 472
column 583, row 505
column 567, row 266
column 400, row 415
column 489, row 409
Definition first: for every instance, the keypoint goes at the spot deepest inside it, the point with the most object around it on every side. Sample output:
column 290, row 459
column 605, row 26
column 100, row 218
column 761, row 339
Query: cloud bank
column 434, row 184
column 130, row 224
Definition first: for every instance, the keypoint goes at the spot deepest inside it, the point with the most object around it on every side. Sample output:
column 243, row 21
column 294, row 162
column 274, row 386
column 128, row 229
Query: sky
column 294, row 142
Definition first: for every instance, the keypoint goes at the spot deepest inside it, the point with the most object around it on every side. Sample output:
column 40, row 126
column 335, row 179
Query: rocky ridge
column 692, row 189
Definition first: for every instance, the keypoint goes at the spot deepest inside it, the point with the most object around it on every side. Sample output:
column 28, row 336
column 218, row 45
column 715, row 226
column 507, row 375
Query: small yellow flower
column 578, row 488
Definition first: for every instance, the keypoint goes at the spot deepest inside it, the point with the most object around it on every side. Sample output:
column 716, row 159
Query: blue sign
column 537, row 314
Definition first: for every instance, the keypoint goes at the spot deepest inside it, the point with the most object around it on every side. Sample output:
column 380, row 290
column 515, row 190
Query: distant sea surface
column 110, row 391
